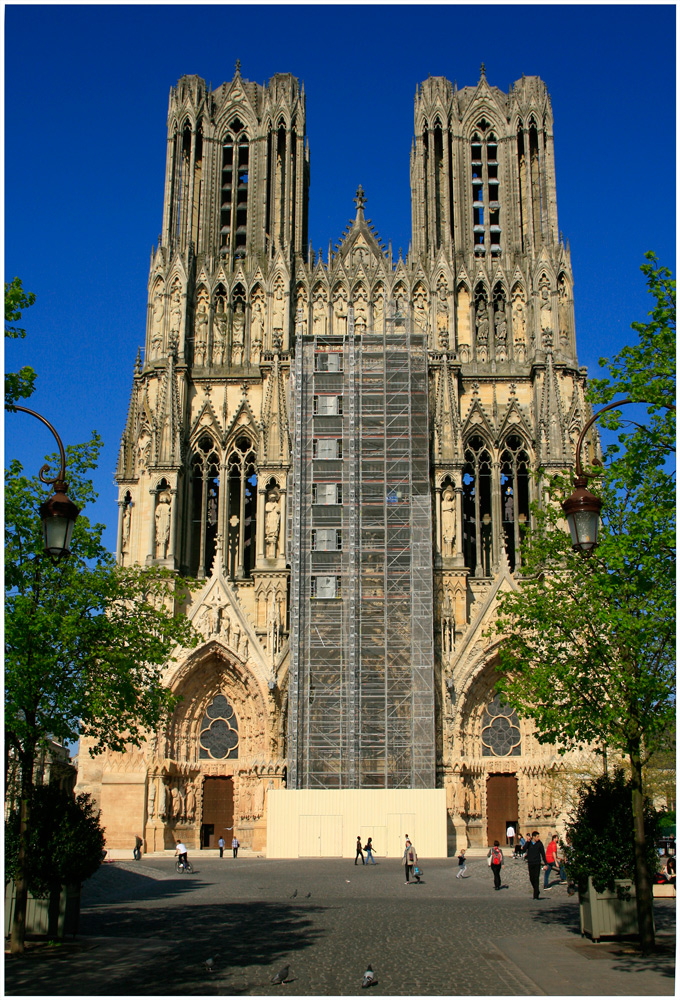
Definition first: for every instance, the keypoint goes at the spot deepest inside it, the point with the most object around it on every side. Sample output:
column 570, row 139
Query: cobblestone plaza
column 147, row 931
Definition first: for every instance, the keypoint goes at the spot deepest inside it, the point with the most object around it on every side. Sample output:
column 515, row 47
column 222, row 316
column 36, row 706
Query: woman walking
column 410, row 859
column 495, row 857
column 369, row 850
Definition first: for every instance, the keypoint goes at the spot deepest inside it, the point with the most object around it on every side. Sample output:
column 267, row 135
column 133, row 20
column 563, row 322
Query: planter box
column 609, row 914
column 55, row 917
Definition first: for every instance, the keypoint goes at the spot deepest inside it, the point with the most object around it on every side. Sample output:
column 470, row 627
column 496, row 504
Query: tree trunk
column 19, row 919
column 643, row 881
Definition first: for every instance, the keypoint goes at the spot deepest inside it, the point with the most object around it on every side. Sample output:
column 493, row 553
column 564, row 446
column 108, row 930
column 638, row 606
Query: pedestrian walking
column 235, row 845
column 360, row 853
column 462, row 865
column 552, row 861
column 410, row 859
column 510, row 834
column 495, row 857
column 369, row 850
column 137, row 849
column 535, row 855
column 221, row 844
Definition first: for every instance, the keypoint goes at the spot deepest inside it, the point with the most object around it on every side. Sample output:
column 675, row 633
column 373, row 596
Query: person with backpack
column 495, row 862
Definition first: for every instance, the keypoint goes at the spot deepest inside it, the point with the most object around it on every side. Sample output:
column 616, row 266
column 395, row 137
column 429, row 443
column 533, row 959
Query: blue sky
column 86, row 97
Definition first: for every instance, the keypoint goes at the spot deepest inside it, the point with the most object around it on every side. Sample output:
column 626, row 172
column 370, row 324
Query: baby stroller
column 417, row 872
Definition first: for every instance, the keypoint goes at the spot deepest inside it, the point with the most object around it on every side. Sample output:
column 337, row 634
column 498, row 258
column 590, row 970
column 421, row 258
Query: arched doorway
column 217, row 817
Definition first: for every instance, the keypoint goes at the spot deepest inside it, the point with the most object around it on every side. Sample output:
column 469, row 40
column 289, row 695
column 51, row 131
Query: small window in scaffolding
column 326, row 539
column 325, row 587
column 327, row 448
column 328, row 361
column 327, row 406
column 326, row 493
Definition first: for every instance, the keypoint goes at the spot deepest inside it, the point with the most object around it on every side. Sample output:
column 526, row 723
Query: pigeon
column 281, row 975
column 210, row 965
column 294, row 894
column 308, row 895
column 369, row 979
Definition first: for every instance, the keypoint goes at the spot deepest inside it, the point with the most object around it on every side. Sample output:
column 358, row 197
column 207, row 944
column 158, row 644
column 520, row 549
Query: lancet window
column 205, row 495
column 241, row 508
column 486, row 203
column 234, row 190
column 477, row 507
column 515, row 476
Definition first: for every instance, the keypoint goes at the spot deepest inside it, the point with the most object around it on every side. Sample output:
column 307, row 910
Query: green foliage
column 589, row 645
column 65, row 842
column 18, row 385
column 86, row 642
column 599, row 838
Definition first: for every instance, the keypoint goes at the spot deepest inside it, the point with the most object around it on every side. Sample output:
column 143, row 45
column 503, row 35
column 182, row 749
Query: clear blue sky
column 86, row 91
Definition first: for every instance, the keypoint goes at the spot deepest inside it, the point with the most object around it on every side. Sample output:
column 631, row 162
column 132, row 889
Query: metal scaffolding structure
column 361, row 690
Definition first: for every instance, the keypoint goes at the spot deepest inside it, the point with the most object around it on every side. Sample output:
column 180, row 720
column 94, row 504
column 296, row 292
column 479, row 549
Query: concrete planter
column 609, row 914
column 56, row 916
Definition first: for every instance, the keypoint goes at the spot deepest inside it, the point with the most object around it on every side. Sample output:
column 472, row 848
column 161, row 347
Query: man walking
column 235, row 845
column 220, row 844
column 510, row 834
column 360, row 853
column 552, row 861
column 535, row 855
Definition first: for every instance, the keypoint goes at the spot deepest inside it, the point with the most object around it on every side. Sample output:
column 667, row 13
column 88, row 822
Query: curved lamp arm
column 61, row 477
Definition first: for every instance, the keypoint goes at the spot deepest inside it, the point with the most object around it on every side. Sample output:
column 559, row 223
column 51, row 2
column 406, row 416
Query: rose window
column 500, row 730
column 219, row 731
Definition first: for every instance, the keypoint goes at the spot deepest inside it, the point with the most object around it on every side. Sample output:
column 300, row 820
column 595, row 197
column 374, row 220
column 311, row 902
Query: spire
column 238, row 68
column 360, row 201
column 482, row 71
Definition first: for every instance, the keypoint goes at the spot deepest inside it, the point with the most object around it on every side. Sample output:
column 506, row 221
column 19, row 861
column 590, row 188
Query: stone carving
column 157, row 322
column 191, row 802
column 319, row 312
column 545, row 314
column 278, row 310
column 442, row 316
column 258, row 799
column 273, row 626
column 163, row 801
column 127, row 521
column 379, row 310
column 400, row 301
column 201, row 328
column 519, row 324
column 501, row 324
column 340, row 312
column 448, row 626
column 212, row 617
column 482, row 326
column 151, row 800
column 219, row 330
column 162, row 525
column 420, row 308
column 448, row 522
column 257, row 329
column 175, row 314
column 563, row 313
column 238, row 329
column 272, row 524
column 360, row 310
column 143, row 449
column 235, row 636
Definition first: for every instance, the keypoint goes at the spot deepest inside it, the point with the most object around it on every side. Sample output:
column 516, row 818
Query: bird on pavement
column 281, row 975
column 210, row 965
column 294, row 894
column 369, row 979
column 308, row 895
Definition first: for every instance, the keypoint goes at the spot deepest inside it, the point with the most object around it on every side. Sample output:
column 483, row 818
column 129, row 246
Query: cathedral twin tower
column 343, row 450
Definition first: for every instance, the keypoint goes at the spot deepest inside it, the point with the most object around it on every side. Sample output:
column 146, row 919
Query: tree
column 86, row 642
column 589, row 645
column 18, row 385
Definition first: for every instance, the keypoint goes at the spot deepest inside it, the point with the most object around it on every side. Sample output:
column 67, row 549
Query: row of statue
column 536, row 795
column 176, row 800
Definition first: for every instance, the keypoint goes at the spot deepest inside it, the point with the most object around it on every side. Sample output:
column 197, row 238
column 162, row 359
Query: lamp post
column 582, row 508
column 59, row 513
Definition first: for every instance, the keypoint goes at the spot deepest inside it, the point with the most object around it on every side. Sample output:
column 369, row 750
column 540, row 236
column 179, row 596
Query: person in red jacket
column 552, row 861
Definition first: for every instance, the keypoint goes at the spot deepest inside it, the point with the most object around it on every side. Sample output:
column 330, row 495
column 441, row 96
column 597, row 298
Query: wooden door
column 501, row 806
column 218, row 811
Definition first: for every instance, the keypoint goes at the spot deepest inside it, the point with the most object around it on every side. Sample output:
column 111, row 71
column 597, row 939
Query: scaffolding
column 361, row 690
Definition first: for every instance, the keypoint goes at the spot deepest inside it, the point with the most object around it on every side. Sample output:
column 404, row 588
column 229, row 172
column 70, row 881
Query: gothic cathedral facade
column 341, row 450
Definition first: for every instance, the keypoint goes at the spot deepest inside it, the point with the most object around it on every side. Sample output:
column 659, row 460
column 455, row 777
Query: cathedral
column 341, row 450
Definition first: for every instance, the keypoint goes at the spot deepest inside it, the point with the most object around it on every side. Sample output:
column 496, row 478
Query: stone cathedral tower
column 343, row 451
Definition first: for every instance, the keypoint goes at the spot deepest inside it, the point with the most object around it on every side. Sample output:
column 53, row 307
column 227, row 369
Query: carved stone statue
column 340, row 312
column 448, row 522
column 191, row 802
column 278, row 309
column 272, row 524
column 151, row 799
column 482, row 322
column 420, row 309
column 545, row 309
column 157, row 322
column 236, row 636
column 360, row 310
column 319, row 312
column 143, row 450
column 176, row 802
column 175, row 315
column 163, row 801
column 127, row 520
column 201, row 329
column 256, row 331
column 378, row 311
column 162, row 525
column 519, row 325
column 238, row 328
column 219, row 331
column 501, row 324
column 442, row 317
column 563, row 313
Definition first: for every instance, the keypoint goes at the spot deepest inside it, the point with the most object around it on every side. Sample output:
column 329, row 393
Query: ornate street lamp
column 59, row 513
column 582, row 508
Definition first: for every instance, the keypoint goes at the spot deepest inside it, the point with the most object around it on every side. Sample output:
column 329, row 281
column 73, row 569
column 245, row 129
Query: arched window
column 486, row 205
column 241, row 508
column 218, row 738
column 501, row 736
column 477, row 507
column 234, row 191
column 515, row 471
column 205, row 496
